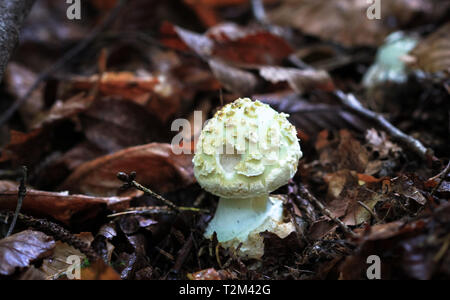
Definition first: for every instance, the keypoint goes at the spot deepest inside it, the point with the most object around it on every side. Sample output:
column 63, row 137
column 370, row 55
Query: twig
column 371, row 212
column 12, row 15
column 21, row 195
column 258, row 11
column 350, row 102
column 165, row 254
column 68, row 56
column 144, row 210
column 57, row 232
column 442, row 177
column 304, row 205
column 155, row 210
column 306, row 194
column 183, row 253
column 130, row 182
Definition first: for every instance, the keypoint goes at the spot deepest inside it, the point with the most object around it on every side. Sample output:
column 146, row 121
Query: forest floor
column 373, row 182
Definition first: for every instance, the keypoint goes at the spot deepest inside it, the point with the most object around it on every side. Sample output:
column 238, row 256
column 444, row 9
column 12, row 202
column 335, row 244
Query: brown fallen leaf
column 18, row 79
column 63, row 110
column 379, row 143
column 156, row 93
column 344, row 152
column 247, row 46
column 408, row 250
column 240, row 46
column 21, row 249
column 6, row 185
column 405, row 186
column 68, row 209
column 115, row 124
column 57, row 266
column 300, row 81
column 312, row 116
column 346, row 21
column 24, row 148
column 156, row 165
column 433, row 53
column 232, row 78
column 210, row 274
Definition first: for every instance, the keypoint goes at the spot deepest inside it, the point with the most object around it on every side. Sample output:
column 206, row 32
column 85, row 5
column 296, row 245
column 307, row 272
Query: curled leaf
column 21, row 249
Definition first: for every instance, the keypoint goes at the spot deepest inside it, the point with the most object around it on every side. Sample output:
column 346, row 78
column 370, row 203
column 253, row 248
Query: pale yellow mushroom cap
column 246, row 150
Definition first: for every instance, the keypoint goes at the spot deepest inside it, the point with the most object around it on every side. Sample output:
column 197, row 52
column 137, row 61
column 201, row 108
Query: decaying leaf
column 313, row 117
column 155, row 164
column 66, row 259
column 407, row 250
column 69, row 209
column 240, row 46
column 154, row 93
column 299, row 80
column 21, row 249
column 63, row 110
column 404, row 186
column 232, row 78
column 18, row 80
column 433, row 53
column 346, row 21
column 210, row 274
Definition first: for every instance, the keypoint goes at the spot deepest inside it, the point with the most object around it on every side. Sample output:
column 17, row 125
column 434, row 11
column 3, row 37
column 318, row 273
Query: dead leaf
column 407, row 250
column 18, row 79
column 6, row 185
column 240, row 46
column 68, row 209
column 63, row 110
column 301, row 81
column 379, row 142
column 210, row 274
column 311, row 116
column 232, row 78
column 21, row 249
column 338, row 181
column 24, row 148
column 114, row 124
column 433, row 53
column 57, row 266
column 351, row 155
column 404, row 186
column 356, row 214
column 156, row 165
column 155, row 93
column 247, row 46
column 346, row 21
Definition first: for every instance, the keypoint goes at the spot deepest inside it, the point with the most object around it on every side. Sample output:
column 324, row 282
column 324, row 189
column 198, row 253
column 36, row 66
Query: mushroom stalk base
column 242, row 220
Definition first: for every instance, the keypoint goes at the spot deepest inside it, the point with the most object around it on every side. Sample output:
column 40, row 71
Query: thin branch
column 156, row 210
column 57, row 232
column 130, row 182
column 442, row 177
column 371, row 212
column 12, row 15
column 68, row 56
column 155, row 195
column 21, row 195
column 307, row 195
column 350, row 102
column 259, row 11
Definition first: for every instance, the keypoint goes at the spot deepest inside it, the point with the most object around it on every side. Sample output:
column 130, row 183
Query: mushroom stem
column 241, row 220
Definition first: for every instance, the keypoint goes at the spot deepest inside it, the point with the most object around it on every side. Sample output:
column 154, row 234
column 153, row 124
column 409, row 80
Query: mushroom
column 245, row 152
